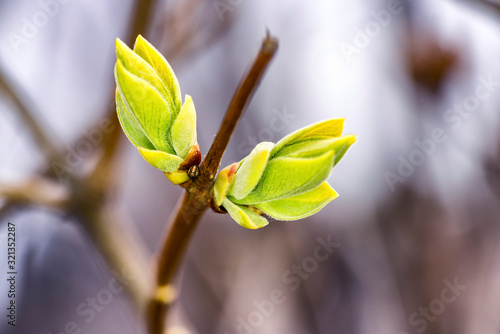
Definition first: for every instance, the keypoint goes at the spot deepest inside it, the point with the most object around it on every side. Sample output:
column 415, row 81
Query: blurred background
column 410, row 246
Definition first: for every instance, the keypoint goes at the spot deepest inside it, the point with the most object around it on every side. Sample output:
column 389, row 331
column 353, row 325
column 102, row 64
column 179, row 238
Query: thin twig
column 211, row 163
column 197, row 197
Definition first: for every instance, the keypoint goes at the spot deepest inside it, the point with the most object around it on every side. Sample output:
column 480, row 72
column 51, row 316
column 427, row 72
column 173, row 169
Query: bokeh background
column 416, row 228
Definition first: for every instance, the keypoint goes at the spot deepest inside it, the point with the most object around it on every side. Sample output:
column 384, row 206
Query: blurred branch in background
column 430, row 63
column 36, row 191
column 425, row 237
column 25, row 109
column 488, row 4
column 190, row 26
column 491, row 166
column 87, row 196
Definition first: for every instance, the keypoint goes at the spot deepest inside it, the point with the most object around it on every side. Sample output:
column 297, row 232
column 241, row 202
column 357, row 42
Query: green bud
column 250, row 170
column 299, row 206
column 154, row 58
column 148, row 103
column 285, row 177
column 161, row 160
column 244, row 215
column 184, row 128
column 322, row 130
column 287, row 180
column 223, row 182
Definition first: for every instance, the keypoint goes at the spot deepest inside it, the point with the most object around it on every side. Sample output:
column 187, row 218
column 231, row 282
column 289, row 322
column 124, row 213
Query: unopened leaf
column 148, row 103
column 139, row 67
column 149, row 108
column 184, row 128
column 342, row 145
column 250, row 170
column 299, row 206
column 130, row 126
column 308, row 148
column 322, row 130
column 178, row 177
column 154, row 58
column 314, row 148
column 244, row 216
column 223, row 182
column 284, row 177
column 161, row 160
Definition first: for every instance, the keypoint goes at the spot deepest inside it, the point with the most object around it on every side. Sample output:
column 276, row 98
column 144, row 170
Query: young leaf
column 307, row 148
column 154, row 58
column 284, row 177
column 342, row 145
column 299, row 206
column 177, row 177
column 140, row 68
column 244, row 216
column 314, row 148
column 148, row 107
column 322, row 130
column 163, row 161
column 250, row 170
column 223, row 182
column 130, row 126
column 184, row 128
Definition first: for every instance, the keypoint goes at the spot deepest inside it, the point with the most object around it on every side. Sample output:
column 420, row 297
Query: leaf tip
column 351, row 139
column 121, row 47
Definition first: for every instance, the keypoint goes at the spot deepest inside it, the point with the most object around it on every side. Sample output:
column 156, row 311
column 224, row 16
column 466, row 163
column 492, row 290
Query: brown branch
column 182, row 226
column 211, row 163
column 197, row 197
